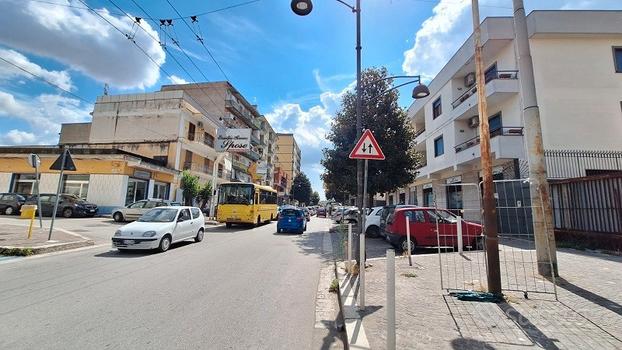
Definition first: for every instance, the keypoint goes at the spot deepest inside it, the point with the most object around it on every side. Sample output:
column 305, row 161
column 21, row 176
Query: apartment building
column 224, row 101
column 288, row 157
column 268, row 150
column 577, row 59
column 169, row 128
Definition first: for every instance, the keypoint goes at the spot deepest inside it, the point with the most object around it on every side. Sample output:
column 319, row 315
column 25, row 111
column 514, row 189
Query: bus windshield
column 236, row 194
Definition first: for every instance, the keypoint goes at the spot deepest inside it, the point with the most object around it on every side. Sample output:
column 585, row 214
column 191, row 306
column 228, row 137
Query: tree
column 315, row 198
column 301, row 188
column 390, row 126
column 190, row 186
column 205, row 193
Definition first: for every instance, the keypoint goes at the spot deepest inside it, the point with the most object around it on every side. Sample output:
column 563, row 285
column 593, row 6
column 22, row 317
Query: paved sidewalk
column 587, row 315
column 14, row 240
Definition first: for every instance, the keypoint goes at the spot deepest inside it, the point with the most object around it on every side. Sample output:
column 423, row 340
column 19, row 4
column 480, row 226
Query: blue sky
column 295, row 68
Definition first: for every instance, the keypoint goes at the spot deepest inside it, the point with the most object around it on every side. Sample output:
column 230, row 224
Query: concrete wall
column 49, row 183
column 107, row 191
column 75, row 133
column 5, row 182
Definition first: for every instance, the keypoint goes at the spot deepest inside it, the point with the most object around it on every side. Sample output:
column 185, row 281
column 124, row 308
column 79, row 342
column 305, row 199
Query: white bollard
column 362, row 274
column 459, row 232
column 349, row 246
column 390, row 299
column 410, row 259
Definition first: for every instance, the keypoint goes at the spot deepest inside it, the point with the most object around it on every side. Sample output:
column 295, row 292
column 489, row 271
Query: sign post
column 62, row 163
column 35, row 162
column 366, row 148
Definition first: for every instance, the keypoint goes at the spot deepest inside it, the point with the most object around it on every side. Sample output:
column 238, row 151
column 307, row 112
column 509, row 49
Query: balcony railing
column 506, row 131
column 205, row 169
column 419, row 132
column 241, row 112
column 255, row 140
column 501, row 74
column 240, row 165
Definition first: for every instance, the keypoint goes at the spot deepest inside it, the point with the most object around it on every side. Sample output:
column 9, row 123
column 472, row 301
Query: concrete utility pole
column 542, row 212
column 489, row 204
column 359, row 122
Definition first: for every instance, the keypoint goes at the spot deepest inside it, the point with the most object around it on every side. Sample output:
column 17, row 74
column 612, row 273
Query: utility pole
column 489, row 204
column 359, row 124
column 542, row 212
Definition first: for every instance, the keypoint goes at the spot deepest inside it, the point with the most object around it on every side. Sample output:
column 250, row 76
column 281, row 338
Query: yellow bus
column 246, row 203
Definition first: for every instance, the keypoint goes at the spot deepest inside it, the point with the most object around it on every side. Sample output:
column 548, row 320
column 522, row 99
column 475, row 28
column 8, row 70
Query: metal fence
column 572, row 163
column 592, row 204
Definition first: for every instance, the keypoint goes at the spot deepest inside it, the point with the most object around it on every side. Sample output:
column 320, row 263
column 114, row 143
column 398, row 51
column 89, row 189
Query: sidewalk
column 587, row 315
column 14, row 240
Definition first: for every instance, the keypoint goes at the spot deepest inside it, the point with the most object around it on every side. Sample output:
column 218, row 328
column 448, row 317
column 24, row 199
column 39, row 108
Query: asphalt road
column 238, row 289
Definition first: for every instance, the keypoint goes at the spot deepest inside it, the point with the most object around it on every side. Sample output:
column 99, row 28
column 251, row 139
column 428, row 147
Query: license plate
column 128, row 241
column 92, row 210
column 289, row 220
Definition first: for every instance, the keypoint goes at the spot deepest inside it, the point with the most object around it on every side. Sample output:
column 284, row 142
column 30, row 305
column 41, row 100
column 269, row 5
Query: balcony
column 252, row 155
column 504, row 143
column 494, row 83
column 255, row 140
column 241, row 112
column 239, row 165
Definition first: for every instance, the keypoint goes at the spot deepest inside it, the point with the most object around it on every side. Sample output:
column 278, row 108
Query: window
column 491, row 73
column 162, row 160
column 137, row 205
column 454, row 198
column 76, row 184
column 439, row 146
column 160, row 190
column 390, row 199
column 195, row 212
column 428, row 197
column 208, row 139
column 617, row 59
column 188, row 160
column 495, row 124
column 415, row 216
column 402, row 198
column 191, row 131
column 136, row 190
column 184, row 215
column 24, row 183
column 437, row 108
column 412, row 198
column 151, row 204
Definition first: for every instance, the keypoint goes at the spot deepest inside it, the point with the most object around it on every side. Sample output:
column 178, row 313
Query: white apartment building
column 577, row 58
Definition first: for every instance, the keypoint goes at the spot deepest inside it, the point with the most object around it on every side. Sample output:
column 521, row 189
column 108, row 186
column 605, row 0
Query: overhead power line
column 44, row 80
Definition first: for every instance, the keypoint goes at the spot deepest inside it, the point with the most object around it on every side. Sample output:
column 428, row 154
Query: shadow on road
column 138, row 253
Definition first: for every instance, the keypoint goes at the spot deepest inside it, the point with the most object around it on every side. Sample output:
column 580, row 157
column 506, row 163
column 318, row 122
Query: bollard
column 349, row 264
column 362, row 273
column 32, row 220
column 390, row 299
column 459, row 233
column 410, row 259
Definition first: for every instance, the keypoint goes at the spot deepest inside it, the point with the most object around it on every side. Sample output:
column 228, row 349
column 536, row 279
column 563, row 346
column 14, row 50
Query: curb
column 348, row 292
column 49, row 248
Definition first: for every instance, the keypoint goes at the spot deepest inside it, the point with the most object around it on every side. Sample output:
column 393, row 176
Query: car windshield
column 236, row 194
column 159, row 215
column 443, row 215
column 290, row 212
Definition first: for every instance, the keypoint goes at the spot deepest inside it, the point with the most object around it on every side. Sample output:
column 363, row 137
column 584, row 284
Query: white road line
column 38, row 256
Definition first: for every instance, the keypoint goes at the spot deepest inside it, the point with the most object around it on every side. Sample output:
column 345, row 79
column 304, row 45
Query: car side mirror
column 180, row 219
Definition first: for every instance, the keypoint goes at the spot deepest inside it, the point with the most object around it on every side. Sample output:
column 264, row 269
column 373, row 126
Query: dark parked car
column 11, row 203
column 321, row 212
column 387, row 211
column 291, row 220
column 69, row 205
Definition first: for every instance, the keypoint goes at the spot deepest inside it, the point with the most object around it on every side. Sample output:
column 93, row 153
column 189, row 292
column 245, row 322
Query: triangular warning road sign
column 367, row 148
column 69, row 165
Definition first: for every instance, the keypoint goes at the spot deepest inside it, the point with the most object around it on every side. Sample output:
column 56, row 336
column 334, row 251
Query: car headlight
column 117, row 233
column 149, row 234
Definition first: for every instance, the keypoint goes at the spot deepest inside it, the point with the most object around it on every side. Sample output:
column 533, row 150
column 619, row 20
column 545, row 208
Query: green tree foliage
column 190, row 185
column 301, row 188
column 315, row 198
column 205, row 193
column 392, row 130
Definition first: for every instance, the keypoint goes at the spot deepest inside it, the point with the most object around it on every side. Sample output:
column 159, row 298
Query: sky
column 294, row 68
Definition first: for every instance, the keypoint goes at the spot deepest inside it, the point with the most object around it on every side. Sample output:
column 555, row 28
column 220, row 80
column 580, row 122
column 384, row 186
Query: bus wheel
column 228, row 225
column 258, row 221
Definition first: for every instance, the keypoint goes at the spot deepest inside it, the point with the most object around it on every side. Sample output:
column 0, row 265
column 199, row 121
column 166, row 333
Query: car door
column 446, row 230
column 422, row 231
column 47, row 204
column 197, row 221
column 133, row 211
column 183, row 226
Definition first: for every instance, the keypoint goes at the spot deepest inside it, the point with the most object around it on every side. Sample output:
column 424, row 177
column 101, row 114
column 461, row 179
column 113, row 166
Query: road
column 242, row 288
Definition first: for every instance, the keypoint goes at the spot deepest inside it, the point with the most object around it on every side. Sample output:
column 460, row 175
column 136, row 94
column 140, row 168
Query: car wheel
column 373, row 231
column 199, row 237
column 165, row 243
column 67, row 212
column 118, row 217
column 228, row 225
column 404, row 245
column 9, row 211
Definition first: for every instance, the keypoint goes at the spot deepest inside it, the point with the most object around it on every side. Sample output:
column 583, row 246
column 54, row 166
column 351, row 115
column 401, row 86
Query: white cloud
column 60, row 78
column 18, row 137
column 451, row 24
column 177, row 80
column 83, row 41
column 44, row 113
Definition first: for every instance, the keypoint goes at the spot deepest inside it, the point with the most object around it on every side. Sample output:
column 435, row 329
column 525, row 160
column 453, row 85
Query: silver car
column 135, row 210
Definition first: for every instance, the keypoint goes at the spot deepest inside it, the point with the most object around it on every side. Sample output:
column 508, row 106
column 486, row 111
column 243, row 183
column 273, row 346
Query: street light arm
column 354, row 9
column 418, row 80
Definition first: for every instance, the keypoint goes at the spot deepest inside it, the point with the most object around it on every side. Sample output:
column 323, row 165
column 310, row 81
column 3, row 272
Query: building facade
column 268, row 150
column 577, row 59
column 289, row 156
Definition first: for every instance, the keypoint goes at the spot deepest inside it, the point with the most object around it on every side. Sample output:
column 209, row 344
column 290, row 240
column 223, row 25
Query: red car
column 423, row 222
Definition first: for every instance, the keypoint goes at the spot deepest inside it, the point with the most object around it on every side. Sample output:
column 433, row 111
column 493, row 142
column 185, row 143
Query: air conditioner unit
column 200, row 124
column 474, row 122
column 469, row 79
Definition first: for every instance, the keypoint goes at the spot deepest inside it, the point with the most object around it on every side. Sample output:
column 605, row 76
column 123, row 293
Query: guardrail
column 501, row 74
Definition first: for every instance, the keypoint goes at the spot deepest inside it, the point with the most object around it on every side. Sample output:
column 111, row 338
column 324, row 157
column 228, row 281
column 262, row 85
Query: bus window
column 236, row 194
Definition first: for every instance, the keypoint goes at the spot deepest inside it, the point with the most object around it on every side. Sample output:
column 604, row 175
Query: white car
column 372, row 222
column 135, row 210
column 160, row 227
